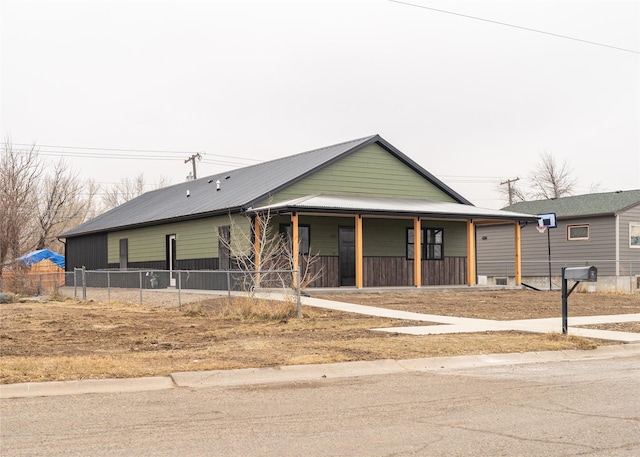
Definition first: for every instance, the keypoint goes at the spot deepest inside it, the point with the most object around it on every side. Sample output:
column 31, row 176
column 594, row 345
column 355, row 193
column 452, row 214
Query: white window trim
column 587, row 238
column 633, row 224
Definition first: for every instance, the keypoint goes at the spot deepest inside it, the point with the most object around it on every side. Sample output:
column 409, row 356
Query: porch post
column 417, row 251
column 518, row 259
column 295, row 247
column 471, row 253
column 359, row 260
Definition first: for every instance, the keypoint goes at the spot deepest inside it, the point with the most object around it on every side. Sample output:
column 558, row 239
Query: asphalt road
column 563, row 408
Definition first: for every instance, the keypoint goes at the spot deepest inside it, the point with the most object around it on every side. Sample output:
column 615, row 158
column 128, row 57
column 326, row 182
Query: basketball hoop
column 542, row 228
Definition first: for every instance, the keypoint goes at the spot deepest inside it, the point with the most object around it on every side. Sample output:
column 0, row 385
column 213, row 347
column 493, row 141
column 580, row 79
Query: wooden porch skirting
column 391, row 272
column 447, row 272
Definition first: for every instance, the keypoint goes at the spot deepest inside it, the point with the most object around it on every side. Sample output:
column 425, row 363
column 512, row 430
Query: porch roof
column 348, row 204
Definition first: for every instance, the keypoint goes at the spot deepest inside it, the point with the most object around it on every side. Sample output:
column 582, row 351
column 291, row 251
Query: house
column 354, row 205
column 600, row 229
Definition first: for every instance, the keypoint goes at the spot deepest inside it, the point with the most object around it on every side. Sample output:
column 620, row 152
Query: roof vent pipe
column 217, row 185
column 188, row 194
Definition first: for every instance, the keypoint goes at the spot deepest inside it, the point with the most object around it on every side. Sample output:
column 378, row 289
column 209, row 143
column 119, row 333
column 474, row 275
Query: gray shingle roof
column 238, row 189
column 581, row 205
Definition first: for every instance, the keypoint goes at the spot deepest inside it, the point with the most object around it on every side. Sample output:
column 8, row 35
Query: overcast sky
column 473, row 102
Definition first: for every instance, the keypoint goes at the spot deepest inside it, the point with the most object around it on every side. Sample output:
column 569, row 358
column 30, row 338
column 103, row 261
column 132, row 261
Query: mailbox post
column 577, row 274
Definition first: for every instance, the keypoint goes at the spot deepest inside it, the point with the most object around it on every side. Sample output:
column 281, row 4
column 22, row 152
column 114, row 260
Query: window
column 577, row 232
column 634, row 235
column 304, row 236
column 431, row 243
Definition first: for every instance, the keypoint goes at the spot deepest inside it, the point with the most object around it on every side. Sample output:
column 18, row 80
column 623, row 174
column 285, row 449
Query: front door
column 347, row 255
column 171, row 259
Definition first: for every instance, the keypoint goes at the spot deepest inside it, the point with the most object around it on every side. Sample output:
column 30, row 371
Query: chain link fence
column 159, row 287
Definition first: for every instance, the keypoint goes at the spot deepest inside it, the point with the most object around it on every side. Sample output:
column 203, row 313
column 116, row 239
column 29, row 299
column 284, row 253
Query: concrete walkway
column 469, row 325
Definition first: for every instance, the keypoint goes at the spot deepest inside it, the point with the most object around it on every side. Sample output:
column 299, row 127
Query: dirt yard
column 71, row 339
column 497, row 304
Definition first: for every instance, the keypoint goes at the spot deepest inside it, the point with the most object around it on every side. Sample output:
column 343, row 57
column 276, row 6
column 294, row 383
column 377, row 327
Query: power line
column 103, row 156
column 517, row 27
column 135, row 154
column 156, row 151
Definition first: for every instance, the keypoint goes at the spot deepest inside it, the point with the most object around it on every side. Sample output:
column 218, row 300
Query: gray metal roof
column 396, row 206
column 239, row 189
column 606, row 203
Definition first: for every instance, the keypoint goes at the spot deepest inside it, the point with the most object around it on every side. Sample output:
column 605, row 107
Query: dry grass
column 272, row 347
column 496, row 304
column 252, row 308
column 69, row 339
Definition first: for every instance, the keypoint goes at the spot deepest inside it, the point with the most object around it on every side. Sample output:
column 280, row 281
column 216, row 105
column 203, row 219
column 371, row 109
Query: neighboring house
column 35, row 272
column 600, row 229
column 356, row 206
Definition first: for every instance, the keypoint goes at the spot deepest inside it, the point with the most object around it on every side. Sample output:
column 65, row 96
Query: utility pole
column 192, row 159
column 509, row 188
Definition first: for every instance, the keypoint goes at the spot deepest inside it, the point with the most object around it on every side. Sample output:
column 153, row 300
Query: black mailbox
column 577, row 274
column 586, row 274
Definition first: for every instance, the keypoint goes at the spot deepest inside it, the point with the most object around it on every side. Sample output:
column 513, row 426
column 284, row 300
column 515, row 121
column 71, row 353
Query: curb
column 88, row 386
column 302, row 373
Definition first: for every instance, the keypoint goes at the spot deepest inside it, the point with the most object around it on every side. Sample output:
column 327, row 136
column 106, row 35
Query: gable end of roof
column 363, row 142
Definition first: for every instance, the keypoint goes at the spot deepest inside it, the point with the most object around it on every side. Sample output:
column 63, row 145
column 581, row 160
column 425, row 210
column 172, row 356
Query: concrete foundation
column 619, row 284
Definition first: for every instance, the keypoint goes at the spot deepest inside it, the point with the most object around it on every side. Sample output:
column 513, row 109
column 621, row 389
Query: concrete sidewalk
column 469, row 325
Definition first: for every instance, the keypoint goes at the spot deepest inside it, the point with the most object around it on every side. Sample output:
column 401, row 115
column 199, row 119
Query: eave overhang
column 384, row 206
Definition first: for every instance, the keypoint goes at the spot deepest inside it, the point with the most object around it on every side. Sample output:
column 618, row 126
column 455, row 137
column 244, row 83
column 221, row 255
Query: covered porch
column 367, row 242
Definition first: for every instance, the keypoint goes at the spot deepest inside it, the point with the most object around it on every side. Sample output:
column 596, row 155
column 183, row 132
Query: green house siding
column 385, row 237
column 381, row 237
column 388, row 237
column 323, row 231
column 455, row 236
column 369, row 171
column 195, row 239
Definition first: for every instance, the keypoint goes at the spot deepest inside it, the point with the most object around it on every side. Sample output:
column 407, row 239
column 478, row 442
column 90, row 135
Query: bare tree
column 64, row 201
column 551, row 180
column 20, row 170
column 34, row 206
column 276, row 254
column 128, row 189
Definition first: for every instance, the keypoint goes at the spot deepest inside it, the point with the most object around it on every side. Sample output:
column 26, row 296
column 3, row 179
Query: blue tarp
column 40, row 255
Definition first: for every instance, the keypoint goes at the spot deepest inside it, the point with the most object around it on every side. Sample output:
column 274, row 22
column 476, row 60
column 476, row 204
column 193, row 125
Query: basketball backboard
column 547, row 220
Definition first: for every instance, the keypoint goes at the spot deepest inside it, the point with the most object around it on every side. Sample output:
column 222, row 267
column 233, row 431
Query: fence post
column 229, row 287
column 179, row 289
column 299, row 303
column 75, row 283
column 140, row 285
column 84, row 283
column 108, row 286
